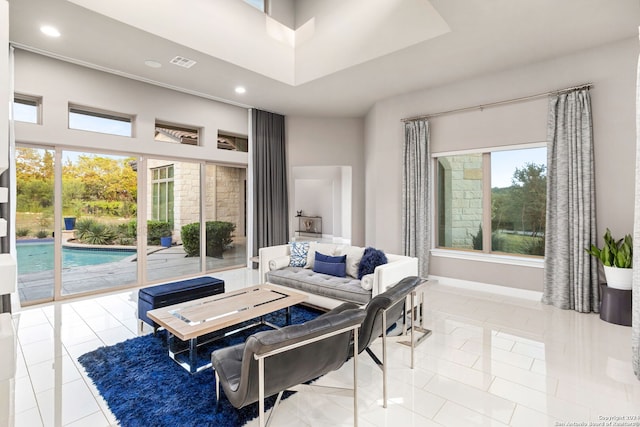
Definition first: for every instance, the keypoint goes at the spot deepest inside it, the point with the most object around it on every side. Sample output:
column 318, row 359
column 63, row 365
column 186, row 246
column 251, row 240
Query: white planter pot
column 618, row 278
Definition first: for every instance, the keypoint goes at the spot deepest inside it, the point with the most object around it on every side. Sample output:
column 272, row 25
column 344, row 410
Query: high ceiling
column 344, row 56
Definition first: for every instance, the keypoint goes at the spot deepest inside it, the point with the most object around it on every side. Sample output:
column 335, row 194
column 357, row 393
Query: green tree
column 104, row 178
column 530, row 183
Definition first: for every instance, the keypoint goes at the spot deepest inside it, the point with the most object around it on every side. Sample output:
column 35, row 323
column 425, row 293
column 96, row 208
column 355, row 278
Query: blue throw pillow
column 338, row 269
column 370, row 260
column 298, row 254
column 330, row 259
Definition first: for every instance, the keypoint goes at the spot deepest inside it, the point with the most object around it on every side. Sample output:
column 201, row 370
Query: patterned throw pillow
column 370, row 260
column 298, row 255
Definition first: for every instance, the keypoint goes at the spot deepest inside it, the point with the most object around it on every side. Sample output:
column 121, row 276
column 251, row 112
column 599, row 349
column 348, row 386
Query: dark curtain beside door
column 270, row 195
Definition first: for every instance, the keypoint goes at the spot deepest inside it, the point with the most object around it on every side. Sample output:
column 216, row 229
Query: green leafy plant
column 22, row 232
column 156, row 230
column 41, row 234
column 93, row 232
column 614, row 253
column 218, row 238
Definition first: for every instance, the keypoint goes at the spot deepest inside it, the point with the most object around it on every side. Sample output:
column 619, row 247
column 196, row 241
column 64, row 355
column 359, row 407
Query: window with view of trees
column 512, row 213
column 162, row 193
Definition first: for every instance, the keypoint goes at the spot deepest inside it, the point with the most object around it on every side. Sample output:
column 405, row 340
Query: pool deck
column 162, row 264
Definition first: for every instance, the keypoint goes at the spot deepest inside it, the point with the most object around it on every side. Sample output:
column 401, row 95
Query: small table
column 615, row 305
column 193, row 319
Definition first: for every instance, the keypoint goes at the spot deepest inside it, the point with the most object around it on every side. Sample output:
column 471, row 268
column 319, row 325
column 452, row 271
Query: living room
column 369, row 142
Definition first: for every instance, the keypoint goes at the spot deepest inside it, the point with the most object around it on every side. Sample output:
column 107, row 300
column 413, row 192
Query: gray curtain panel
column 635, row 320
column 416, row 219
column 270, row 196
column 571, row 275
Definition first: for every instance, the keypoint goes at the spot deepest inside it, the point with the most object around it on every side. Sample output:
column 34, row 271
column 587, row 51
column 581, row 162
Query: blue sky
column 504, row 163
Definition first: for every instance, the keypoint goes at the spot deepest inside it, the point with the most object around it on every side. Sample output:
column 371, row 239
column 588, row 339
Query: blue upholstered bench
column 174, row 293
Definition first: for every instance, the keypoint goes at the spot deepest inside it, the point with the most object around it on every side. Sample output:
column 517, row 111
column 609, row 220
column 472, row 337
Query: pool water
column 38, row 256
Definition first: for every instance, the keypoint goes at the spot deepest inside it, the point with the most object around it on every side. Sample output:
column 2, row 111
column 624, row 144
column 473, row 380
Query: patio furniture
column 158, row 296
column 271, row 362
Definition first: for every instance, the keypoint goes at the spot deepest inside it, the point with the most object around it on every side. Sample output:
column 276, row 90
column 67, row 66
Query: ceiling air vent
column 181, row 61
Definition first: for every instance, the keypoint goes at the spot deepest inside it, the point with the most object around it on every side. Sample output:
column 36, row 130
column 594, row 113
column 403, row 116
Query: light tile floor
column 492, row 361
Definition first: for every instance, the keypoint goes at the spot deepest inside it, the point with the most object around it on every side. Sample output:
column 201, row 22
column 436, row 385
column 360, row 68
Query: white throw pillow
column 279, row 262
column 367, row 282
column 354, row 255
column 323, row 248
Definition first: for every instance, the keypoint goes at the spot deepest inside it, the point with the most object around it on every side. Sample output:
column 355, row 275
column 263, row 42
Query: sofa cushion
column 330, row 259
column 370, row 260
column 337, row 269
column 344, row 289
column 298, row 253
column 325, row 248
column 354, row 255
column 332, row 265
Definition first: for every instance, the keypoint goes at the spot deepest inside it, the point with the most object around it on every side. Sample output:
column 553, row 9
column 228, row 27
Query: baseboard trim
column 486, row 287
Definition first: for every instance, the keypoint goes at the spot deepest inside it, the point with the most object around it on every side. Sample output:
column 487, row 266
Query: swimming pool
column 37, row 256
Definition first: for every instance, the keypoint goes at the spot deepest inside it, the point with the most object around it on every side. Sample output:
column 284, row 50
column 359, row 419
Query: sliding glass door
column 34, row 223
column 99, row 205
column 173, row 219
column 81, row 230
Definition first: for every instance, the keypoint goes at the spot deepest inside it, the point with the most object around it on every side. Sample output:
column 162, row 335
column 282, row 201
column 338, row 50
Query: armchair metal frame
column 274, row 343
column 398, row 294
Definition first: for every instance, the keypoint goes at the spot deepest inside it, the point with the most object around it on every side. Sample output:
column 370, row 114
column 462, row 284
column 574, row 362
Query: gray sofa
column 329, row 291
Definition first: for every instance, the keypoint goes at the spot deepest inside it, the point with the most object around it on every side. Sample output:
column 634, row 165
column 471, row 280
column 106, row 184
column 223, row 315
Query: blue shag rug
column 145, row 388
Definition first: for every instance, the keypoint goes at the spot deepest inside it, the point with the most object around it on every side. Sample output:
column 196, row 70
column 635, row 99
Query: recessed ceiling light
column 240, row 90
column 153, row 64
column 50, row 31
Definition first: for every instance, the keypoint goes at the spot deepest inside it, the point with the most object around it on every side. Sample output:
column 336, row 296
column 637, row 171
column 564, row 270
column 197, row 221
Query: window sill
column 492, row 258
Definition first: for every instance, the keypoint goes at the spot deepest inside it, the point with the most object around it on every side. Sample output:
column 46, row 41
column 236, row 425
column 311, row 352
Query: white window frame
column 155, row 210
column 35, row 101
column 471, row 255
column 102, row 114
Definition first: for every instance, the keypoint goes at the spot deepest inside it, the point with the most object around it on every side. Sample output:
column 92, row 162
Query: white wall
column 59, row 83
column 329, row 142
column 5, row 97
column 610, row 68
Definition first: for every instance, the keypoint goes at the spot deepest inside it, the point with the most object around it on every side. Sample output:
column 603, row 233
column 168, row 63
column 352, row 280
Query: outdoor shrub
column 156, row 230
column 218, row 238
column 41, row 234
column 534, row 246
column 83, row 226
column 104, row 207
column 125, row 241
column 497, row 241
column 22, row 232
column 476, row 240
column 90, row 231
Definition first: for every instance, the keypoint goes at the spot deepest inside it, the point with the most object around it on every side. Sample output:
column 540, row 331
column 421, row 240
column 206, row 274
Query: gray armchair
column 273, row 361
column 383, row 311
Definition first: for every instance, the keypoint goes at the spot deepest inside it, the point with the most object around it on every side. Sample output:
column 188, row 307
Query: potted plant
column 617, row 259
column 165, row 239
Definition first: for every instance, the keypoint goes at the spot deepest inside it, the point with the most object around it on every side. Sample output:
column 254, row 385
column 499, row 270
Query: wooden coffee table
column 202, row 317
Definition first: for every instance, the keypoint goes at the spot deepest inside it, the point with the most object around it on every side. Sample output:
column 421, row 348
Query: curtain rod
column 497, row 103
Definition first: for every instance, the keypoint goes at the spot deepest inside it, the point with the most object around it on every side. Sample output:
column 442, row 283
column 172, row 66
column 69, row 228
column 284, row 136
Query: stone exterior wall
column 462, row 185
column 229, row 197
column 223, row 195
